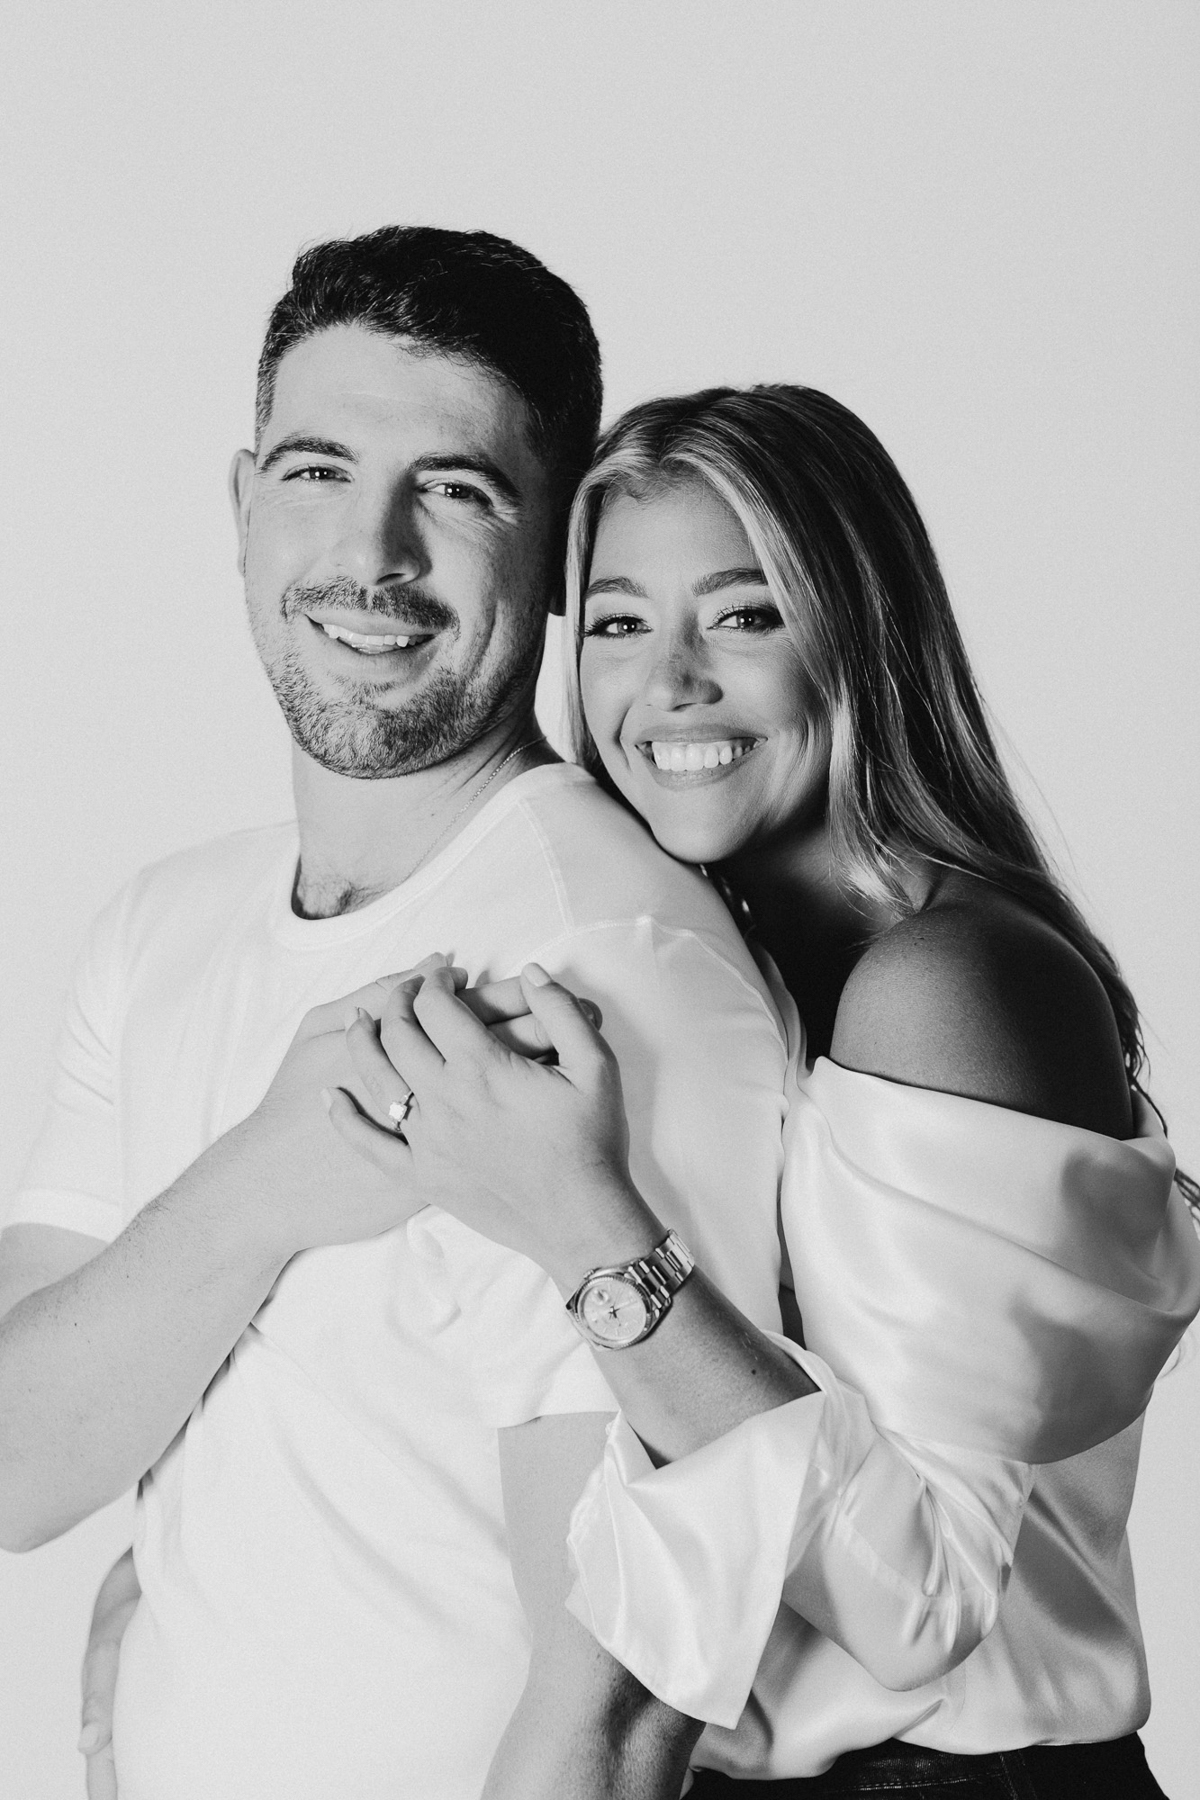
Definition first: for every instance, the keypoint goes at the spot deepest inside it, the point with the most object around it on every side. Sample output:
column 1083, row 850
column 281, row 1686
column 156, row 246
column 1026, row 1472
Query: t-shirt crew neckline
column 319, row 934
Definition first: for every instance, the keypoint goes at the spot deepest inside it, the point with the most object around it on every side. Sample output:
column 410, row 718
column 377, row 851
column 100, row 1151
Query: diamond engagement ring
column 400, row 1109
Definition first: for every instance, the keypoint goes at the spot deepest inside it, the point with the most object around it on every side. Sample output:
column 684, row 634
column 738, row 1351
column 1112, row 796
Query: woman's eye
column 750, row 618
column 617, row 625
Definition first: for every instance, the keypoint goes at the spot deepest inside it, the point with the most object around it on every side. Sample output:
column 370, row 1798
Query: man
column 358, row 1437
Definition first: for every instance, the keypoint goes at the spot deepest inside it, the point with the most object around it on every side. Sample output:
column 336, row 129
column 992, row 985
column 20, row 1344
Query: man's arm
column 104, row 1351
column 115, row 1605
column 100, row 1369
column 584, row 1728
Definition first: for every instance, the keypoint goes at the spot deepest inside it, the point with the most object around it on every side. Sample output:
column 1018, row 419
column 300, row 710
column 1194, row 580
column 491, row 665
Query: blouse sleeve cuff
column 680, row 1569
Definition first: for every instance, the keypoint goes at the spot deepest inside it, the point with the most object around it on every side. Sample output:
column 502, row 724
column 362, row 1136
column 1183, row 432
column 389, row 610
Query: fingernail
column 89, row 1739
column 534, row 973
column 327, row 1097
column 364, row 1017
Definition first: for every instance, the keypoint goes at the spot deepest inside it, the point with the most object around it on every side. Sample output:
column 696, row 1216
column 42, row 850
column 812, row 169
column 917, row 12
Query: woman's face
column 693, row 690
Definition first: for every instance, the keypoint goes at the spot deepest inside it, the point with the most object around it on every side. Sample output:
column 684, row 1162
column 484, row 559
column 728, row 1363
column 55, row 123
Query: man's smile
column 373, row 643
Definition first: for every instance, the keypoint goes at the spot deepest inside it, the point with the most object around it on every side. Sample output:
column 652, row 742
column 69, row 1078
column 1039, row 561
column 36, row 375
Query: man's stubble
column 353, row 736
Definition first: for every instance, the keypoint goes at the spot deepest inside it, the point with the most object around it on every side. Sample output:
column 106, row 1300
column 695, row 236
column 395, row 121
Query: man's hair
column 461, row 293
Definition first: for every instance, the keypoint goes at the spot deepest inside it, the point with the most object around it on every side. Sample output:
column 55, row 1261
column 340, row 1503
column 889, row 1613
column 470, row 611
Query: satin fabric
column 992, row 1280
column 987, row 1299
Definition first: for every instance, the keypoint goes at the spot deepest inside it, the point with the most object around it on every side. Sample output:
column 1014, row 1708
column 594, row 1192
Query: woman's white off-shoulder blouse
column 987, row 1298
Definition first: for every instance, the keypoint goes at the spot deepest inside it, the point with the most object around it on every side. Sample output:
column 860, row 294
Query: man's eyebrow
column 305, row 446
column 472, row 464
column 750, row 576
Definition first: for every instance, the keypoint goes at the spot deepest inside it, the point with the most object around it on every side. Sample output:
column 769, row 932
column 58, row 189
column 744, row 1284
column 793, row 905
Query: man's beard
column 350, row 736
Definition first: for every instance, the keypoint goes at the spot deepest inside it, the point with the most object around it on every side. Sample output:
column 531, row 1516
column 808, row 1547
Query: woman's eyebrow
column 750, row 576
column 615, row 584
column 306, row 446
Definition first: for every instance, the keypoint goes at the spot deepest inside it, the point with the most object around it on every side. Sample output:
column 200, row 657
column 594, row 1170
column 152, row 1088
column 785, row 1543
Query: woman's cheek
column 601, row 708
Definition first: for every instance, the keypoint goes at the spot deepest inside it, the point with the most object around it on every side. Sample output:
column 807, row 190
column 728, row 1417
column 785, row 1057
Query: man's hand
column 294, row 1170
column 115, row 1603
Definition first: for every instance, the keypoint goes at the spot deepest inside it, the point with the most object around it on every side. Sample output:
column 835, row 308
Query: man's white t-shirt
column 328, row 1611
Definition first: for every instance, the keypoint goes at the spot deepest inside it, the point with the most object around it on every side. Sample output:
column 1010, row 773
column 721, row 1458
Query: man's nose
column 382, row 541
column 681, row 675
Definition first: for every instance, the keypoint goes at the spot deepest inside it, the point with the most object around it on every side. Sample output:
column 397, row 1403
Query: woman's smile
column 693, row 687
column 695, row 758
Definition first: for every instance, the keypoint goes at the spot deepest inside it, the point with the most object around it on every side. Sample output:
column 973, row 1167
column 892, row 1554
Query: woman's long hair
column 913, row 766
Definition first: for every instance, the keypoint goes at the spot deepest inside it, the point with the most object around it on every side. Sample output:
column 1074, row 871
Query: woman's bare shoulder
column 976, row 995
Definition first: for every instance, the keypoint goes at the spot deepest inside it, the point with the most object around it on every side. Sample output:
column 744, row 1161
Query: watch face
column 613, row 1310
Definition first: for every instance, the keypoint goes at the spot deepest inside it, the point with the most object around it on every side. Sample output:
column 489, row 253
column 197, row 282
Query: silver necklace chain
column 470, row 801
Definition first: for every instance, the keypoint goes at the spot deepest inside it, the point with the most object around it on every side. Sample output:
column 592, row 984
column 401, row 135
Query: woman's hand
column 533, row 1157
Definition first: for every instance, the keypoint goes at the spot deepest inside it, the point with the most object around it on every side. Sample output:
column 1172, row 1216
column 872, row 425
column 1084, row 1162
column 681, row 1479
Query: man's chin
column 367, row 753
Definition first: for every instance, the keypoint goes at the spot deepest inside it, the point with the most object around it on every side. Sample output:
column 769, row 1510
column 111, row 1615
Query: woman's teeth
column 681, row 759
column 359, row 640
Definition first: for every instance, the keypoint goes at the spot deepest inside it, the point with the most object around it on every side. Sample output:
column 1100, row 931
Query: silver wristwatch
column 613, row 1308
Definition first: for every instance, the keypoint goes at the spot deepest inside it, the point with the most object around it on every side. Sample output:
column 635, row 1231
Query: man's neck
column 360, row 839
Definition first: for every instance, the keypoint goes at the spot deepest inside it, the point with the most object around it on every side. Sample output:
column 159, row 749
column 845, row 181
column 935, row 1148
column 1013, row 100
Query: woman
column 977, row 1200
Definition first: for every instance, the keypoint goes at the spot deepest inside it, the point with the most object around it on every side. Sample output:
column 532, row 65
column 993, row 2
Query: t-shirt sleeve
column 73, row 1176
column 702, row 1058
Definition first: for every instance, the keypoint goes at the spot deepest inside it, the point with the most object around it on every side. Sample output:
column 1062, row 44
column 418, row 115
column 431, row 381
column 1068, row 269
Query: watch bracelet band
column 667, row 1266
column 659, row 1275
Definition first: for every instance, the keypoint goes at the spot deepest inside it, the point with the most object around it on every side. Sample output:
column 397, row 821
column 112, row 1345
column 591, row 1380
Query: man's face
column 395, row 531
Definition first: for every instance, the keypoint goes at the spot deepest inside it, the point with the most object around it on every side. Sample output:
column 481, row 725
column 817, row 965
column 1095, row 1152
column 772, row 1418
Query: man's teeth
column 359, row 640
column 682, row 759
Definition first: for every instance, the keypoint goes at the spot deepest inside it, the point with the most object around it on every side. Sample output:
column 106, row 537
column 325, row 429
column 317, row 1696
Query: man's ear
column 241, row 486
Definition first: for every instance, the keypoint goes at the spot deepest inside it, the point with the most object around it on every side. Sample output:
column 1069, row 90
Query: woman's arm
column 536, row 1158
column 977, row 998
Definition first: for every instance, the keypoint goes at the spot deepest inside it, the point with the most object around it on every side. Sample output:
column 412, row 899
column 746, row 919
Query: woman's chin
column 687, row 843
column 683, row 825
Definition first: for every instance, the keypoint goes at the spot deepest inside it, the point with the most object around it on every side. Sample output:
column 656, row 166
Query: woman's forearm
column 705, row 1368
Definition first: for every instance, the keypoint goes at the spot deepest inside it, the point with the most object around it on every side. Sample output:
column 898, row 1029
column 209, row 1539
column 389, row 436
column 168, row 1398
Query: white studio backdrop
column 971, row 220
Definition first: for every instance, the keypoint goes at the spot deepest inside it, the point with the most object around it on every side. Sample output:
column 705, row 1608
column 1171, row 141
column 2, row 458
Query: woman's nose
column 680, row 676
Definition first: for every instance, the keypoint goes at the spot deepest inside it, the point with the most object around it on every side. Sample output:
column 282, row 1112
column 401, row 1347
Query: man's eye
column 314, row 472
column 617, row 625
column 460, row 491
column 750, row 618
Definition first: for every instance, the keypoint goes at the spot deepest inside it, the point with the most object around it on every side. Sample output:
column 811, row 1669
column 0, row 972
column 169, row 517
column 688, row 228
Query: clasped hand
column 299, row 1183
column 532, row 1156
